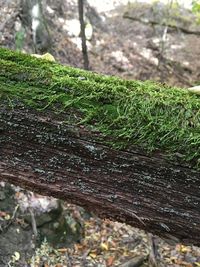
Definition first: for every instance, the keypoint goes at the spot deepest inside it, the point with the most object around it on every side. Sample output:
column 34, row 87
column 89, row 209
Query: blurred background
column 146, row 40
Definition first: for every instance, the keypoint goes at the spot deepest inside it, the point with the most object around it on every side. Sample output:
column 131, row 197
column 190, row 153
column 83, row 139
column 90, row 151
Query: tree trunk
column 33, row 19
column 82, row 33
column 50, row 153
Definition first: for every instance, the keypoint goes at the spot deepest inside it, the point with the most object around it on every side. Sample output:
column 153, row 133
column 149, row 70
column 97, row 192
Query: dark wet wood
column 41, row 153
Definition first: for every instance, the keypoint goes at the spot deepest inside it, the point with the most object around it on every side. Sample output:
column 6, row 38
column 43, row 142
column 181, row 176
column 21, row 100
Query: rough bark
column 40, row 153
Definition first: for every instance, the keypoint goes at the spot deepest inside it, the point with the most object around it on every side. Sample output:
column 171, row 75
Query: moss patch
column 148, row 114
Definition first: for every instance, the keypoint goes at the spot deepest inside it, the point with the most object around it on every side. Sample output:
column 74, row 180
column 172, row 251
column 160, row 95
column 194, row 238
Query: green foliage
column 148, row 114
column 196, row 9
column 196, row 5
column 19, row 39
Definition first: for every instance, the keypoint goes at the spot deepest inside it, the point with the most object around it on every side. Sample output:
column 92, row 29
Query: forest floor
column 132, row 48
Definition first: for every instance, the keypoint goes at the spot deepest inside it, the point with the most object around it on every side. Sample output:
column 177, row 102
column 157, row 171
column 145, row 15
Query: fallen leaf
column 110, row 261
column 93, row 255
column 104, row 246
column 15, row 256
column 62, row 250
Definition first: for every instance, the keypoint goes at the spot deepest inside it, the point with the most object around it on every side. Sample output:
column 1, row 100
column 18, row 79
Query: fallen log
column 152, row 22
column 126, row 150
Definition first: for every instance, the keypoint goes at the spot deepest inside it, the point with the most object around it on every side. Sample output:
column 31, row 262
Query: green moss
column 148, row 114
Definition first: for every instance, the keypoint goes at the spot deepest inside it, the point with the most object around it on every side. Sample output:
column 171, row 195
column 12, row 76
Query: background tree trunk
column 82, row 33
column 33, row 19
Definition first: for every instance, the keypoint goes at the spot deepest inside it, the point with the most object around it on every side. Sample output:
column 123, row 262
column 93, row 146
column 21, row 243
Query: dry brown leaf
column 110, row 261
column 62, row 250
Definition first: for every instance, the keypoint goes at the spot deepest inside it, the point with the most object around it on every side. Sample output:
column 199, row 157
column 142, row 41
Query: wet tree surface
column 57, row 154
column 41, row 153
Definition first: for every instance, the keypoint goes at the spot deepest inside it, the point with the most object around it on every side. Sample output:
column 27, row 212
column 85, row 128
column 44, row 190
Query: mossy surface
column 148, row 114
